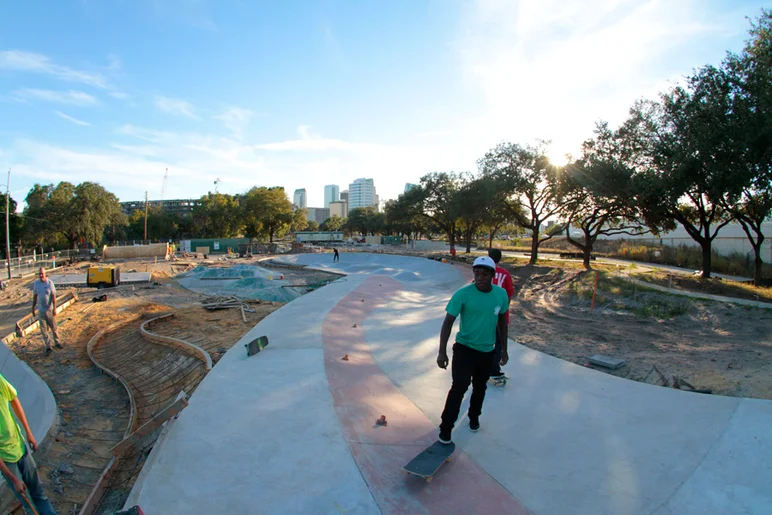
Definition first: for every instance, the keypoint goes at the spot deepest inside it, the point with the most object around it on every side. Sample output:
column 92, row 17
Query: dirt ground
column 724, row 348
column 93, row 407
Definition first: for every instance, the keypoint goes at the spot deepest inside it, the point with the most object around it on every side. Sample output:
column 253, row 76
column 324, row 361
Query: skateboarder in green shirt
column 482, row 308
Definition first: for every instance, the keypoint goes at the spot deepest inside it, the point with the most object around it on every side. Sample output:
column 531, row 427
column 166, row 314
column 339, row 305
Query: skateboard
column 256, row 345
column 499, row 381
column 430, row 460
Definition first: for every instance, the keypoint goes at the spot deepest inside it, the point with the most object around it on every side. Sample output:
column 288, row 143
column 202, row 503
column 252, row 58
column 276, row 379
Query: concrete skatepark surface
column 292, row 429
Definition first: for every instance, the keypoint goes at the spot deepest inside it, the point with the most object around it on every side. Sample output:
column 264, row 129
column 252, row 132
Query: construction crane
column 163, row 186
column 216, row 185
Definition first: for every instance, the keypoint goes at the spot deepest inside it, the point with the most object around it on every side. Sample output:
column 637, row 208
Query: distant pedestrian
column 481, row 307
column 504, row 280
column 44, row 301
column 335, row 255
column 16, row 462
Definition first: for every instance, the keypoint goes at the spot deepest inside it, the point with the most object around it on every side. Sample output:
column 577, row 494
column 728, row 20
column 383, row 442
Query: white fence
column 731, row 239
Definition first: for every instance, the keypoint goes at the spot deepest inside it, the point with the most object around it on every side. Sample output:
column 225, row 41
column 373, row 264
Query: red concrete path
column 362, row 392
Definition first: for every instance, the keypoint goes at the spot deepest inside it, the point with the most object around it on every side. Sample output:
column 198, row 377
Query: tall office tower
column 361, row 193
column 300, row 199
column 331, row 194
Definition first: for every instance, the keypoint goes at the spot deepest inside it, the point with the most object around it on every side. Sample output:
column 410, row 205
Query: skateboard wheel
column 429, row 479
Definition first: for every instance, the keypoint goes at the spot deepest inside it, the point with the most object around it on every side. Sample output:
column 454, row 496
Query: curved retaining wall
column 176, row 343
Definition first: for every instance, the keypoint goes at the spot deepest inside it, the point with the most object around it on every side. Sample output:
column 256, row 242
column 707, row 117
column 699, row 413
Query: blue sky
column 303, row 94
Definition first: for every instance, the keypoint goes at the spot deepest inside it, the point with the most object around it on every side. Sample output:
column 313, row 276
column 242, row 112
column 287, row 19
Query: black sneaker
column 58, row 345
column 445, row 437
column 474, row 425
column 48, row 351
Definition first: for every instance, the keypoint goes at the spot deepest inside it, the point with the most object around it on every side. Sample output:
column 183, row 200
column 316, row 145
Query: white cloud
column 550, row 68
column 236, row 119
column 20, row 60
column 136, row 160
column 312, row 143
column 72, row 119
column 71, row 97
column 175, row 106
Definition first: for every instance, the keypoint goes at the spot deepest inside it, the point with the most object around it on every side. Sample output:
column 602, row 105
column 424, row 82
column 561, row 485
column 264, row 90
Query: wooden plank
column 28, row 323
column 150, row 426
column 92, row 502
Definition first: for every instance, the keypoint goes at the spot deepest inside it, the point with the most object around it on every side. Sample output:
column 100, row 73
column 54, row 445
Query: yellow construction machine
column 103, row 276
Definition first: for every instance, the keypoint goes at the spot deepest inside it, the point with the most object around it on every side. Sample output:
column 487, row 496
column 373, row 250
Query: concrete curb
column 704, row 296
column 175, row 343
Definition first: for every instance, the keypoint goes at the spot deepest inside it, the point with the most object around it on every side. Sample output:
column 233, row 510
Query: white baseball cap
column 485, row 261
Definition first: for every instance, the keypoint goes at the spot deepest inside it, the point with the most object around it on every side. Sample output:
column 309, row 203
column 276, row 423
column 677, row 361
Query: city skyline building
column 339, row 208
column 318, row 214
column 299, row 199
column 331, row 194
column 361, row 194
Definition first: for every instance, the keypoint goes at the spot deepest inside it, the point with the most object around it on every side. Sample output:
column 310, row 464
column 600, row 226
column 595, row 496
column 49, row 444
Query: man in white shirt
column 44, row 301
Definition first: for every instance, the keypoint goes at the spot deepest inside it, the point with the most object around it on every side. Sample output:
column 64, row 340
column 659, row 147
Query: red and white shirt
column 504, row 279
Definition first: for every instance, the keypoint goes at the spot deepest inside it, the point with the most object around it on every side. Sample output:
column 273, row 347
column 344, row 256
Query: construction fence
column 28, row 265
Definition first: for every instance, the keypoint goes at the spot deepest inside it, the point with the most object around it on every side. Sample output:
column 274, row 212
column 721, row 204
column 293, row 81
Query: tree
column 596, row 193
column 680, row 176
column 161, row 224
column 747, row 150
column 476, row 200
column 435, row 201
column 363, row 220
column 217, row 215
column 46, row 213
column 268, row 212
column 334, row 223
column 312, row 225
column 300, row 220
column 76, row 213
column 403, row 218
column 15, row 223
column 528, row 182
column 92, row 209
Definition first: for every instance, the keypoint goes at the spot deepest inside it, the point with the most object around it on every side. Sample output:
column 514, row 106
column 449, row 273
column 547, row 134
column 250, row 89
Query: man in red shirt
column 503, row 279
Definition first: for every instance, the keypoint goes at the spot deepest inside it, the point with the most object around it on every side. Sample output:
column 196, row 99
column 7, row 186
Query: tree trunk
column 534, row 244
column 586, row 257
column 757, row 263
column 270, row 236
column 468, row 238
column 589, row 242
column 706, row 260
column 493, row 233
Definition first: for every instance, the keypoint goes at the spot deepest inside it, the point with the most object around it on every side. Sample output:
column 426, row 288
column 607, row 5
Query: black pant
column 469, row 366
column 496, row 367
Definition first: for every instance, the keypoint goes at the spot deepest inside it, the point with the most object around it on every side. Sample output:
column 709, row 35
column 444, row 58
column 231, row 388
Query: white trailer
column 318, row 236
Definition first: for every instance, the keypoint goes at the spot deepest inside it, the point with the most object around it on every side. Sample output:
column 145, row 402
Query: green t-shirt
column 479, row 312
column 11, row 441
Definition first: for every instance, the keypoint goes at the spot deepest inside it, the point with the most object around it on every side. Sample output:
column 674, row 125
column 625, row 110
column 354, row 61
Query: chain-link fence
column 29, row 265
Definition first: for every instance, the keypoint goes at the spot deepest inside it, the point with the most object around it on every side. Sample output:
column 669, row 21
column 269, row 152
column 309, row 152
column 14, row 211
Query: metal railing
column 28, row 265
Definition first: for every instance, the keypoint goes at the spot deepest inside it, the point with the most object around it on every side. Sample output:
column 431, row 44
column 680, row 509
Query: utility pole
column 146, row 217
column 8, row 224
